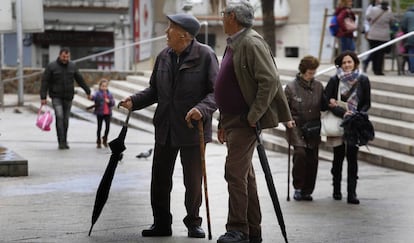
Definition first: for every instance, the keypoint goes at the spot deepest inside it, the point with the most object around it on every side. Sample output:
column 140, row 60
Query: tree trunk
column 269, row 31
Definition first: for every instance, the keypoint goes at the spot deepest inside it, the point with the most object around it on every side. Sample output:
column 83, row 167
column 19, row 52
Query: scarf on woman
column 346, row 81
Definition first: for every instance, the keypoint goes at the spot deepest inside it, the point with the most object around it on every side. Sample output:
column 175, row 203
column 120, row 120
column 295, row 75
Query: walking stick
column 288, row 170
column 203, row 166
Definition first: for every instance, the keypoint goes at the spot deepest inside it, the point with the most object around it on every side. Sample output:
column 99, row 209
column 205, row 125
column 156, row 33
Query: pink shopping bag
column 44, row 119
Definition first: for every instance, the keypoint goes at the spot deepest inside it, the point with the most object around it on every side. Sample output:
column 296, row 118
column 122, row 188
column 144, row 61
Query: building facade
column 89, row 27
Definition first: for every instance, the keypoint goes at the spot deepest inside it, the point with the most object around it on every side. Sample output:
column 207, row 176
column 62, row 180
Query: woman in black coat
column 356, row 93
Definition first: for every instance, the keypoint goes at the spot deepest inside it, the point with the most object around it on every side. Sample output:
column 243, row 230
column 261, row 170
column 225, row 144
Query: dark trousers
column 100, row 119
column 377, row 57
column 161, row 183
column 244, row 208
column 62, row 113
column 351, row 153
column 305, row 168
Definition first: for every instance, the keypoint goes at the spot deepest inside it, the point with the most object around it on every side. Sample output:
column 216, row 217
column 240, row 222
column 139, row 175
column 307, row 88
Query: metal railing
column 366, row 53
column 76, row 60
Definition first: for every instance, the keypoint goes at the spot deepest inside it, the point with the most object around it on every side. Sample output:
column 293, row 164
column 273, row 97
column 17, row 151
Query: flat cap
column 187, row 21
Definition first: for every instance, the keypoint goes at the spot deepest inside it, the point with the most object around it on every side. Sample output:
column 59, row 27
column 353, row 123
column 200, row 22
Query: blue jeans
column 411, row 58
column 62, row 112
column 347, row 44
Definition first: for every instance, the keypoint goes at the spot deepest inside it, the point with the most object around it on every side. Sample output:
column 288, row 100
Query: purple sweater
column 229, row 98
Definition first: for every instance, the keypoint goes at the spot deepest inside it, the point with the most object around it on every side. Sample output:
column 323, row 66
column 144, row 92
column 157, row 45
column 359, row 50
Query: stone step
column 378, row 122
column 392, row 126
column 142, row 80
column 392, row 98
column 12, row 164
column 392, row 112
column 126, row 86
column 392, row 121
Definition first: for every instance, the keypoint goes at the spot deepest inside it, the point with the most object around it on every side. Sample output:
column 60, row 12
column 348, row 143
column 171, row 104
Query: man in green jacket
column 247, row 92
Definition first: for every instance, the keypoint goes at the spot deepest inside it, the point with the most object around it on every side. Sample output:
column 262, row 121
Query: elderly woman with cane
column 306, row 99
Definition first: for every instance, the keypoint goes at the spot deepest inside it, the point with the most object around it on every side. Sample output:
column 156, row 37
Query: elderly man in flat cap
column 182, row 85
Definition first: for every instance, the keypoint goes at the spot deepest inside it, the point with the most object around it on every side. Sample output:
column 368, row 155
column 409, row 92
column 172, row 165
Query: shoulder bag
column 331, row 124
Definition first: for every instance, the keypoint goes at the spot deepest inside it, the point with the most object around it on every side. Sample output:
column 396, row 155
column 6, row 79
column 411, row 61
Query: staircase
column 392, row 114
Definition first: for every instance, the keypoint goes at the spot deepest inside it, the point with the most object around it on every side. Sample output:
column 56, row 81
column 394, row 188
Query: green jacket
column 259, row 81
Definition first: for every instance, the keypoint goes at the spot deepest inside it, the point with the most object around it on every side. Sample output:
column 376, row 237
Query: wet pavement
column 54, row 202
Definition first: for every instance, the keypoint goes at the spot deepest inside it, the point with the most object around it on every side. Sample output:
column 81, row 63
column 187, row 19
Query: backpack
column 333, row 26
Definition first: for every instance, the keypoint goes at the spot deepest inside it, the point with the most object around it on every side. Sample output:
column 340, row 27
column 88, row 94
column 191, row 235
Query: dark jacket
column 193, row 86
column 407, row 25
column 306, row 101
column 363, row 94
column 341, row 15
column 99, row 99
column 259, row 81
column 58, row 81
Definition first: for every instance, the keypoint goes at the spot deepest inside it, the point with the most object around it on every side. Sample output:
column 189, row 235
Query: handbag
column 311, row 129
column 44, row 119
column 350, row 24
column 331, row 124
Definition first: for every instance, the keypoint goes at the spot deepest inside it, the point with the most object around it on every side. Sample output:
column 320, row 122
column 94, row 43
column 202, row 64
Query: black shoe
column 63, row 145
column 337, row 196
column 298, row 195
column 379, row 74
column 155, row 230
column 307, row 197
column 233, row 237
column 196, row 232
column 353, row 200
column 255, row 239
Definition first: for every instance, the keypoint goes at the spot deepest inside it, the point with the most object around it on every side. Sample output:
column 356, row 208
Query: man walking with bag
column 58, row 80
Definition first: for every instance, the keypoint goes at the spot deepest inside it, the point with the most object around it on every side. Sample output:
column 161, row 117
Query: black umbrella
column 117, row 146
column 269, row 181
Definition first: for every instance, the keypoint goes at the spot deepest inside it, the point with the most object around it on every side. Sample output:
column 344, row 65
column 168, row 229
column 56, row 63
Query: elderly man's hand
column 221, row 135
column 126, row 103
column 193, row 114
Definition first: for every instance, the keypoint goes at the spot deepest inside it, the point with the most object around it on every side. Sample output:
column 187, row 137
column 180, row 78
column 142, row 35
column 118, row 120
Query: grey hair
column 243, row 11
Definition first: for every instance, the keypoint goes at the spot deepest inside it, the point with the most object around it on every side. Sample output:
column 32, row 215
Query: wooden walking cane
column 203, row 166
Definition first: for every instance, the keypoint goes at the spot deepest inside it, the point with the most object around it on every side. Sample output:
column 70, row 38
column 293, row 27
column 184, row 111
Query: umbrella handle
column 128, row 115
